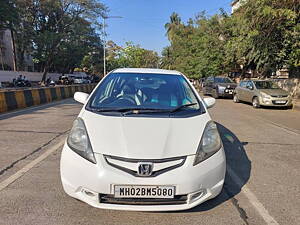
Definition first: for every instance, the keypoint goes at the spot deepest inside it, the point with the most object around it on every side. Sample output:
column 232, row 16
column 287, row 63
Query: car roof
column 146, row 70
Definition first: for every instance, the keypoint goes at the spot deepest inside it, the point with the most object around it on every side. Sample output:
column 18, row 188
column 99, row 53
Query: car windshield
column 143, row 91
column 223, row 80
column 265, row 85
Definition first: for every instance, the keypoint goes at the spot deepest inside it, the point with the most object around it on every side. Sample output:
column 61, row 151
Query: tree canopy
column 57, row 33
column 262, row 35
column 131, row 56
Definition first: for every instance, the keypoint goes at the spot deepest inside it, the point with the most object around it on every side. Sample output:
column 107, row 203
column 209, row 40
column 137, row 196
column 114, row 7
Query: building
column 235, row 5
column 7, row 53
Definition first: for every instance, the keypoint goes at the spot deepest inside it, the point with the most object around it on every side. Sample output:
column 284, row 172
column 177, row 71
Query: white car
column 145, row 141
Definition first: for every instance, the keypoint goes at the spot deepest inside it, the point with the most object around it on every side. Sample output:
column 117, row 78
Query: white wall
column 32, row 76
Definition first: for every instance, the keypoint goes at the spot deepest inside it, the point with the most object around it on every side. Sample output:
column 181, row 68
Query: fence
column 17, row 99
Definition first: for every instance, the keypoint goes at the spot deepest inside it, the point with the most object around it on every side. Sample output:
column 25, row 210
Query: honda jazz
column 143, row 140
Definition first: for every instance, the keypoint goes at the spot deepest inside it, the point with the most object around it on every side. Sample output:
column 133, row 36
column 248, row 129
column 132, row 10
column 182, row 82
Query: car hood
column 231, row 85
column 144, row 137
column 274, row 91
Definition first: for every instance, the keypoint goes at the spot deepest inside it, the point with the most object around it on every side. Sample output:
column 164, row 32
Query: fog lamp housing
column 197, row 195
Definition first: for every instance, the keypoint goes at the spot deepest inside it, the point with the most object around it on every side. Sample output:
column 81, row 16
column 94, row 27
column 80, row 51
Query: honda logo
column 145, row 169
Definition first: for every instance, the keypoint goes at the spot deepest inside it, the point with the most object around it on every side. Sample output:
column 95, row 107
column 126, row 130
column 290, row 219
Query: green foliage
column 8, row 14
column 271, row 33
column 262, row 35
column 132, row 56
column 196, row 48
column 58, row 33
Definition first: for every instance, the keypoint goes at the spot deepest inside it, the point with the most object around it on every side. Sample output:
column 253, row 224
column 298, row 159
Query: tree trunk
column 1, row 57
column 46, row 69
column 14, row 49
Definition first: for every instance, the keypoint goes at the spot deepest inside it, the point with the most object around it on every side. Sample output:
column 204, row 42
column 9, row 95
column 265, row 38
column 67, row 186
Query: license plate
column 128, row 191
column 280, row 102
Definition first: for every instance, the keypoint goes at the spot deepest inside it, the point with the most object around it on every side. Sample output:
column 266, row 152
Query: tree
column 267, row 32
column 82, row 43
column 196, row 47
column 175, row 21
column 8, row 14
column 131, row 56
column 53, row 22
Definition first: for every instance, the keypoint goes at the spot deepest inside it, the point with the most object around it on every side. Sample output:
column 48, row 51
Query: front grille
column 130, row 165
column 110, row 199
column 276, row 103
column 279, row 96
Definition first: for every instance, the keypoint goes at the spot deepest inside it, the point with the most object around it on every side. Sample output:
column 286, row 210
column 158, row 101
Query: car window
column 208, row 80
column 243, row 84
column 126, row 90
column 249, row 84
column 265, row 85
column 223, row 80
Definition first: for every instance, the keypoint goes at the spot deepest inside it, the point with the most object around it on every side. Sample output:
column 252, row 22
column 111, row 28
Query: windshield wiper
column 137, row 110
column 145, row 110
column 105, row 110
column 126, row 111
column 183, row 106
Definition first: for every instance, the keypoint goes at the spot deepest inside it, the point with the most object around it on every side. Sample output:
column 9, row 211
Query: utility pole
column 104, row 40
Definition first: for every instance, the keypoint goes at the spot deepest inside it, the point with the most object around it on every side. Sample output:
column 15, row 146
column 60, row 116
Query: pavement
column 296, row 104
column 262, row 182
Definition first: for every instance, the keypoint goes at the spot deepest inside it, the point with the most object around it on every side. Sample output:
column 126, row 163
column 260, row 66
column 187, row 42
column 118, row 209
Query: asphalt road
column 262, row 182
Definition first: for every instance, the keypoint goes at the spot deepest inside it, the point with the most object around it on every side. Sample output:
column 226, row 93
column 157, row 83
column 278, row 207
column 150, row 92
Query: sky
column 143, row 21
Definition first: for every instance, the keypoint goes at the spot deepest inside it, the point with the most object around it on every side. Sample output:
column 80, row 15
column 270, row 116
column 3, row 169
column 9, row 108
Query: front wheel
column 255, row 103
column 236, row 99
column 215, row 94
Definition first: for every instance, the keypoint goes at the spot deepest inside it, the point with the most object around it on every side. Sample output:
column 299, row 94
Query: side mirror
column 81, row 97
column 209, row 102
column 250, row 87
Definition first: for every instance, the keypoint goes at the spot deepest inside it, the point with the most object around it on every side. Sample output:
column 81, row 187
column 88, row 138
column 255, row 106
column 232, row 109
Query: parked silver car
column 262, row 93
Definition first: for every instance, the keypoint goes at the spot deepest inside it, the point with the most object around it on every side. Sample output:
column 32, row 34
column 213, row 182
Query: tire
column 255, row 103
column 236, row 99
column 215, row 94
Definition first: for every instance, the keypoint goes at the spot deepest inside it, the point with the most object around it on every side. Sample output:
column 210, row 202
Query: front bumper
column 272, row 102
column 227, row 92
column 87, row 181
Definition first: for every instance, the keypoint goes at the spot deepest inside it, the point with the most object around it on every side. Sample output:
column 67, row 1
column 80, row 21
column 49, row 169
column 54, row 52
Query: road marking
column 30, row 165
column 263, row 212
column 286, row 129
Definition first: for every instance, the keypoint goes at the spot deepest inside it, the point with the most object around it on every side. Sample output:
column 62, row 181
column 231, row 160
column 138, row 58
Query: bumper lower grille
column 110, row 199
column 276, row 103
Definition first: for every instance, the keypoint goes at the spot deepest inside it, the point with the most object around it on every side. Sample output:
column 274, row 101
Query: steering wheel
column 127, row 97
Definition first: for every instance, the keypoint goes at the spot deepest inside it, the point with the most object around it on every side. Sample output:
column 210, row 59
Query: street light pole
column 104, row 48
column 104, row 41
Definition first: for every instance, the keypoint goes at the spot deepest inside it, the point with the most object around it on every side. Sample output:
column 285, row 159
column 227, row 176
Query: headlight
column 210, row 143
column 78, row 140
column 264, row 95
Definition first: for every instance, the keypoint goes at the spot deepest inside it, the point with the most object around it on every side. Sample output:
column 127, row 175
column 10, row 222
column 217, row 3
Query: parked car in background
column 81, row 80
column 219, row 87
column 78, row 80
column 262, row 93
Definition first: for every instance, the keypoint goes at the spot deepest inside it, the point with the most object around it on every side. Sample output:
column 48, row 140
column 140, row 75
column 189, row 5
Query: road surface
column 262, row 182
